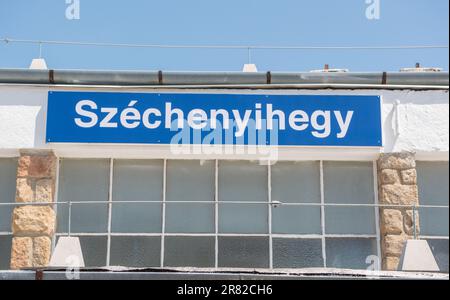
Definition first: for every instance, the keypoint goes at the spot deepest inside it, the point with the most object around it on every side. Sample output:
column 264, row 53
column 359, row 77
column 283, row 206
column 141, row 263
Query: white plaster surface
column 416, row 121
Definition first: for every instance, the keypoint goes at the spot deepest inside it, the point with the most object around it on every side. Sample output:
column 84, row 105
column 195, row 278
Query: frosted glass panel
column 297, row 182
column 349, row 253
column 293, row 219
column 5, row 251
column 190, row 180
column 244, row 252
column 189, row 251
column 242, row 181
column 136, row 217
column 89, row 218
column 432, row 179
column 83, row 180
column 349, row 220
column 190, row 218
column 348, row 182
column 243, row 218
column 8, row 170
column 94, row 250
column 137, row 180
column 5, row 217
column 440, row 252
column 297, row 253
column 433, row 221
column 135, row 251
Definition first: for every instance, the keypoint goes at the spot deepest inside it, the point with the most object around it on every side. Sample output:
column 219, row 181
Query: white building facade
column 269, row 207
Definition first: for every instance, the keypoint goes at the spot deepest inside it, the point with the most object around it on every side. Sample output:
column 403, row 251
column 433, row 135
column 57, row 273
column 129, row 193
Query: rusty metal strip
column 269, row 77
column 39, row 274
column 51, row 76
column 160, row 77
column 384, row 78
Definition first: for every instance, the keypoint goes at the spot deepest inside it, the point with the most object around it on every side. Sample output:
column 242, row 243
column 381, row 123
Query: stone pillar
column 397, row 185
column 33, row 226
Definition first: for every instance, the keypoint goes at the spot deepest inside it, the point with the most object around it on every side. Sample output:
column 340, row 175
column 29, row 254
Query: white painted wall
column 415, row 121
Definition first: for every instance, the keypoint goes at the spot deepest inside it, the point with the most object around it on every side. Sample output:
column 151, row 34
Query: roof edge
column 175, row 78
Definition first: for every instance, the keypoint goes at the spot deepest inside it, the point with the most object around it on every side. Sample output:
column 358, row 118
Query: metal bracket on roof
column 384, row 78
column 160, row 77
column 51, row 76
column 269, row 77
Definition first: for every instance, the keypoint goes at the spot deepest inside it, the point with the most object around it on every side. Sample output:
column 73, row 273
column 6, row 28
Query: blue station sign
column 216, row 119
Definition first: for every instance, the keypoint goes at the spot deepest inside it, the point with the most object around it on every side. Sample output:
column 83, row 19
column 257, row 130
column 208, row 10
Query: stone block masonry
column 397, row 185
column 33, row 226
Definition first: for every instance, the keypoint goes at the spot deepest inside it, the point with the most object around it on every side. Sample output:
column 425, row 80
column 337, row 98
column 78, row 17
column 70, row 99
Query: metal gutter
column 242, row 86
column 392, row 80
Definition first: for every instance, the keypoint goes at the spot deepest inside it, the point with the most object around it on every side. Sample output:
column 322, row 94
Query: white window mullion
column 377, row 213
column 269, row 193
column 108, row 250
column 163, row 226
column 216, row 213
column 55, row 200
column 322, row 215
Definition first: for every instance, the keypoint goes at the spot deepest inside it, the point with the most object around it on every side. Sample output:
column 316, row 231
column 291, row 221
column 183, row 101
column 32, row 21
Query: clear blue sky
column 230, row 22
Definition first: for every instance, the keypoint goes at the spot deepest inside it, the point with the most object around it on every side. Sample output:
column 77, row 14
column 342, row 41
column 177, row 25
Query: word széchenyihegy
column 90, row 115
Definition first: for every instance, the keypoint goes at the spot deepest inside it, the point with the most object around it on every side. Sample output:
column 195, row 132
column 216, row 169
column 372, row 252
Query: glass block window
column 190, row 196
column 349, row 253
column 297, row 253
column 439, row 248
column 135, row 251
column 94, row 250
column 5, row 251
column 189, row 251
column 295, row 183
column 348, row 183
column 84, row 189
column 137, row 194
column 243, row 197
column 432, row 181
column 8, row 170
column 243, row 252
column 219, row 213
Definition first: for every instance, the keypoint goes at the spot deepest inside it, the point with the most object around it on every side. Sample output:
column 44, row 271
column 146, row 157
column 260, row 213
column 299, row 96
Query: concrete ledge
column 122, row 273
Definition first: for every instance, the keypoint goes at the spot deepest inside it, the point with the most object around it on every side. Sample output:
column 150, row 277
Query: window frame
column 11, row 204
column 216, row 234
column 434, row 236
